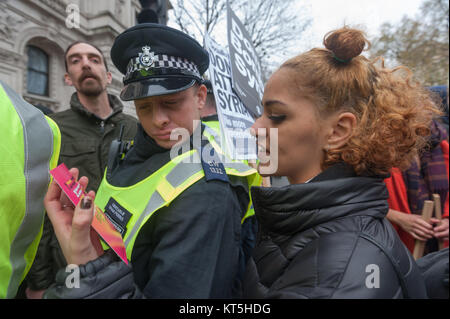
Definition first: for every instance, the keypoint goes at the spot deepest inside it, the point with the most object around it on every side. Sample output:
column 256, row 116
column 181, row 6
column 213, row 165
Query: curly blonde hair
column 393, row 112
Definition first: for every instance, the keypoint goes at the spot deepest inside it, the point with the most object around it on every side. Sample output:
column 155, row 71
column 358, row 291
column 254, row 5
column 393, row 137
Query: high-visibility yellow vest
column 159, row 189
column 29, row 148
column 213, row 134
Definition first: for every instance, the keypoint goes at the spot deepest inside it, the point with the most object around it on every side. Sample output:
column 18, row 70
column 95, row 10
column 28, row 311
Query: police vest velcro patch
column 117, row 215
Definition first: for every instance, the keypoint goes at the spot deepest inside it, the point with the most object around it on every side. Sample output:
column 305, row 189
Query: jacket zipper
column 102, row 127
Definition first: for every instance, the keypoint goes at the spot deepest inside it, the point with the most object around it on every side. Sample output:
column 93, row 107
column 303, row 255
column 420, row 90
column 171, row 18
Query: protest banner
column 235, row 119
column 245, row 67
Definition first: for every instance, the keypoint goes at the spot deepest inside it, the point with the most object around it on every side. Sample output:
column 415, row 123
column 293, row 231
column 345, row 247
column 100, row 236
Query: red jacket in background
column 398, row 198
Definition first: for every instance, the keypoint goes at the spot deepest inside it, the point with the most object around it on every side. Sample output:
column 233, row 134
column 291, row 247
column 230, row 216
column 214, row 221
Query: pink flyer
column 100, row 223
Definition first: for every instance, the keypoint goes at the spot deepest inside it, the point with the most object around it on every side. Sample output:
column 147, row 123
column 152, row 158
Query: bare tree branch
column 274, row 25
column 419, row 43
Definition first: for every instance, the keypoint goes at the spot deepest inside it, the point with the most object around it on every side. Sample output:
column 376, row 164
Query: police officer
column 30, row 147
column 178, row 202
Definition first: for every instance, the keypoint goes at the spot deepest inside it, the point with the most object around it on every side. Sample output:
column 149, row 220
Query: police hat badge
column 146, row 58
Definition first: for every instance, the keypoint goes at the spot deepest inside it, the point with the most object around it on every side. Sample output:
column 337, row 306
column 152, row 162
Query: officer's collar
column 209, row 118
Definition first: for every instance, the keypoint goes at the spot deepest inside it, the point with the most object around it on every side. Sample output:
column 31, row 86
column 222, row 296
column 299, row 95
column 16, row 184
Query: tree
column 274, row 25
column 420, row 43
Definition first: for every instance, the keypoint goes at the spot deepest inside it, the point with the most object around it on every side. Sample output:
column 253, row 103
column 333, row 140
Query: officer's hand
column 79, row 243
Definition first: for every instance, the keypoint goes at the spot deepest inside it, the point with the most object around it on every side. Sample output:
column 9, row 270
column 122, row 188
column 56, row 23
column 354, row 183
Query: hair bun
column 345, row 43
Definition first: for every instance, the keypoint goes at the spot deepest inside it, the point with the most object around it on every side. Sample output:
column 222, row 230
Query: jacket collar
column 335, row 193
column 209, row 118
column 114, row 101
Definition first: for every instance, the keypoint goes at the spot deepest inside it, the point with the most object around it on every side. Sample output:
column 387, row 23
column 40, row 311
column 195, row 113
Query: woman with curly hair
column 343, row 122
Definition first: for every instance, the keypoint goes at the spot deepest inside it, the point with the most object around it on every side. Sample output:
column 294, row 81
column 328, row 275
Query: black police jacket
column 329, row 238
column 189, row 249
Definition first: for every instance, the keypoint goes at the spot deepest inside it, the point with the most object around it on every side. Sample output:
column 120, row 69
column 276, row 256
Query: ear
column 201, row 96
column 342, row 129
column 109, row 77
column 67, row 79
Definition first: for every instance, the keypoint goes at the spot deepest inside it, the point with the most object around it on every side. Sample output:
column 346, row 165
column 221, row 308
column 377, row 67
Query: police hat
column 157, row 60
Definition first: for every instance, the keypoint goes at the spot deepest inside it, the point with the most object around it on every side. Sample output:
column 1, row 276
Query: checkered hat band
column 162, row 61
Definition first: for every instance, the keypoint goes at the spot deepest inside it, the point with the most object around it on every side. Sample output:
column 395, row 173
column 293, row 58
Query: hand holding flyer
column 100, row 222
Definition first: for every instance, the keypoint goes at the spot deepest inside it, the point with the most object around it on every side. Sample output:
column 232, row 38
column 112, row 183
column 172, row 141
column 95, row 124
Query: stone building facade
column 35, row 33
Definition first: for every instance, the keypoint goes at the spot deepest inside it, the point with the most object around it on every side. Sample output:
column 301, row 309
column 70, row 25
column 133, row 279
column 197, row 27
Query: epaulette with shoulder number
column 212, row 166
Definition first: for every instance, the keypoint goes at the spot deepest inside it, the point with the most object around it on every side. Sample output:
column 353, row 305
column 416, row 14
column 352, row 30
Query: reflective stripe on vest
column 213, row 134
column 146, row 197
column 212, row 128
column 29, row 148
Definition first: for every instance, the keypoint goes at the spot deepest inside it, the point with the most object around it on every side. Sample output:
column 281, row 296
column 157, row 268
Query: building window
column 37, row 71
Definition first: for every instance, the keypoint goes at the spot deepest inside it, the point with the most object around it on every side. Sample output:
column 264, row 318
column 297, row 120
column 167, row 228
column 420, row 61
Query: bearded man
column 94, row 120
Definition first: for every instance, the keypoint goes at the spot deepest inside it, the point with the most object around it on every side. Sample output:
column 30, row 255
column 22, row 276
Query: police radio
column 117, row 151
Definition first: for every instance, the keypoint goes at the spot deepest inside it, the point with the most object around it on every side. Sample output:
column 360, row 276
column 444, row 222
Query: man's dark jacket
column 329, row 238
column 85, row 138
column 85, row 141
column 189, row 249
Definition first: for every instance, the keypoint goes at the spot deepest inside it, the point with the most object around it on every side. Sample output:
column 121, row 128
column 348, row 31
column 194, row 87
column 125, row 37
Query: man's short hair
column 92, row 45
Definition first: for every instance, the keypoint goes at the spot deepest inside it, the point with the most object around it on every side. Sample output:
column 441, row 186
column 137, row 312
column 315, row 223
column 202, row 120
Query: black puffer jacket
column 329, row 238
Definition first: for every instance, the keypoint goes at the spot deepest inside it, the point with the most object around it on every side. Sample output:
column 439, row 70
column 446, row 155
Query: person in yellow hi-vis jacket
column 29, row 148
column 183, row 212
